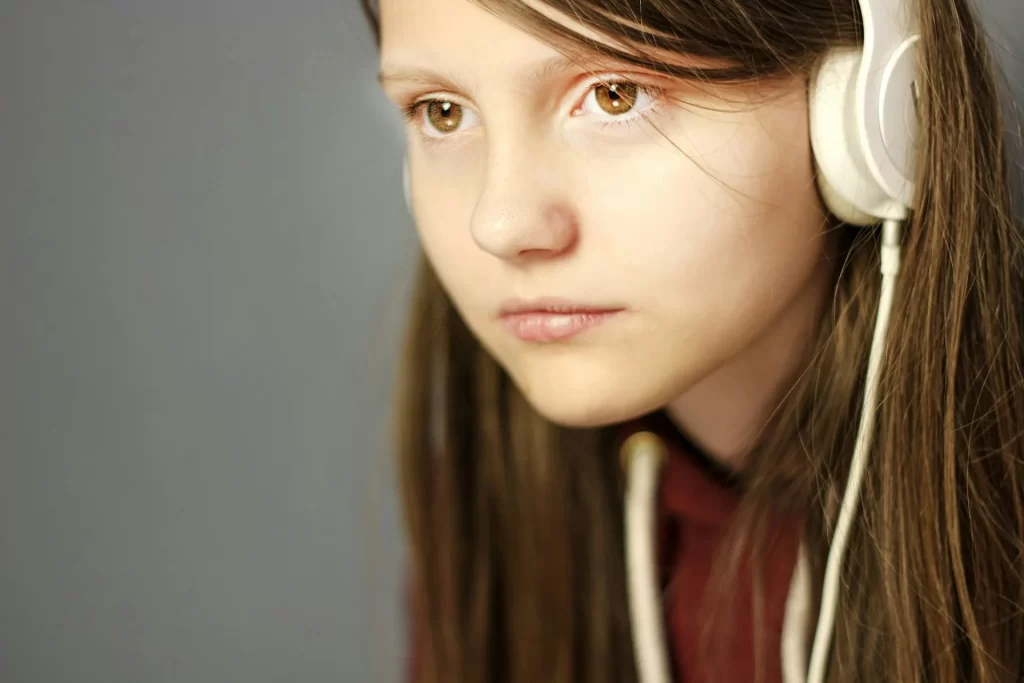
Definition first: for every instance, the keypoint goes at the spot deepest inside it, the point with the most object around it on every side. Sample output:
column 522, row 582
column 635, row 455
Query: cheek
column 730, row 225
column 442, row 221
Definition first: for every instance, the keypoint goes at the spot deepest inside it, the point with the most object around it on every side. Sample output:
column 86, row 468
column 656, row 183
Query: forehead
column 458, row 15
column 458, row 43
column 448, row 33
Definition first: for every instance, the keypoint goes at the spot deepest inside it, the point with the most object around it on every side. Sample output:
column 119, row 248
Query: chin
column 587, row 403
column 579, row 413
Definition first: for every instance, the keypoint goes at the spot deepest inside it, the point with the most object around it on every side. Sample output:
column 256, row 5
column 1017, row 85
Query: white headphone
column 863, row 119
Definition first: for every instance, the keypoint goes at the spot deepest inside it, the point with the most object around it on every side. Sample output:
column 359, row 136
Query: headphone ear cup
column 846, row 186
column 838, row 205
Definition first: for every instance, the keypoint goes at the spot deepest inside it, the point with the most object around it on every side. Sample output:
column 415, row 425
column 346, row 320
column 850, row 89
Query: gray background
column 203, row 269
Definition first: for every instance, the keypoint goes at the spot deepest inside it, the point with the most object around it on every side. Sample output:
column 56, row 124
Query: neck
column 724, row 413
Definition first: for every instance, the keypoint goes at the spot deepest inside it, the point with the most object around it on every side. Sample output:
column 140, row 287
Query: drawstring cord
column 643, row 456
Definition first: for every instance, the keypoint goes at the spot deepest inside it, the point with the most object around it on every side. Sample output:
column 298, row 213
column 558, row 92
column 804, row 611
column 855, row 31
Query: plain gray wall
column 204, row 263
column 203, row 269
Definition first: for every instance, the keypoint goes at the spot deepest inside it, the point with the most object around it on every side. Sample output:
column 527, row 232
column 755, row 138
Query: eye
column 438, row 118
column 618, row 98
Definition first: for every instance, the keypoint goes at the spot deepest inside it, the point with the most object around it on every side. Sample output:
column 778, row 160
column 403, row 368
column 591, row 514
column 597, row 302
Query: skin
column 698, row 217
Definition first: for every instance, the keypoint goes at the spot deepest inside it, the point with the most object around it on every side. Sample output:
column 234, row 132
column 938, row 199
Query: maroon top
column 697, row 501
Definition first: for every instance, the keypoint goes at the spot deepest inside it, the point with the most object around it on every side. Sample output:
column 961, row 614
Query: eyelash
column 412, row 111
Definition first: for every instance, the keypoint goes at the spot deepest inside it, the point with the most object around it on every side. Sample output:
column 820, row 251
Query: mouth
column 548, row 320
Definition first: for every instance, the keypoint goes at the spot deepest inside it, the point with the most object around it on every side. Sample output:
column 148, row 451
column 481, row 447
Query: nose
column 522, row 213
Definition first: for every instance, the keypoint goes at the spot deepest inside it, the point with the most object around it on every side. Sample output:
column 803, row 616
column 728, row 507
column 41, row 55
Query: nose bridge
column 522, row 208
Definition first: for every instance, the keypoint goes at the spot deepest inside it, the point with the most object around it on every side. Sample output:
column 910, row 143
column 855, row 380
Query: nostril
column 562, row 227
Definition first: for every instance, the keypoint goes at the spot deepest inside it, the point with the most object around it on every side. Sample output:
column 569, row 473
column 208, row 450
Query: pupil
column 616, row 98
column 444, row 116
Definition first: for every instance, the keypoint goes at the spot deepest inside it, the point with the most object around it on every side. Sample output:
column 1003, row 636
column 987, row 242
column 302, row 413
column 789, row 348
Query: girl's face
column 617, row 248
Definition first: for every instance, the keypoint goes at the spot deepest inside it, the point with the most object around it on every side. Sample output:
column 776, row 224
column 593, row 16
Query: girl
column 630, row 250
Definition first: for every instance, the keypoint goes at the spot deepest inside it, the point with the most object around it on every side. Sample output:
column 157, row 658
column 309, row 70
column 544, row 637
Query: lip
column 550, row 319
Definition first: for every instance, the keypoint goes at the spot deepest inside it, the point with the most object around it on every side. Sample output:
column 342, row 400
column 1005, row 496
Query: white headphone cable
column 892, row 232
column 644, row 455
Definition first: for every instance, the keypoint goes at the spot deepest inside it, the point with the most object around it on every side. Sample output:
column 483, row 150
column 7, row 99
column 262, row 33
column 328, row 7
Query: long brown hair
column 514, row 523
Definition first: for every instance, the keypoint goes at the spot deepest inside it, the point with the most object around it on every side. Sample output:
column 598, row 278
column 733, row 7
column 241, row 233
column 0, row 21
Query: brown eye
column 445, row 117
column 617, row 98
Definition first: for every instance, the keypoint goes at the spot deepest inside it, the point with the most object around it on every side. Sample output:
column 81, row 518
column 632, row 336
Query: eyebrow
column 411, row 74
